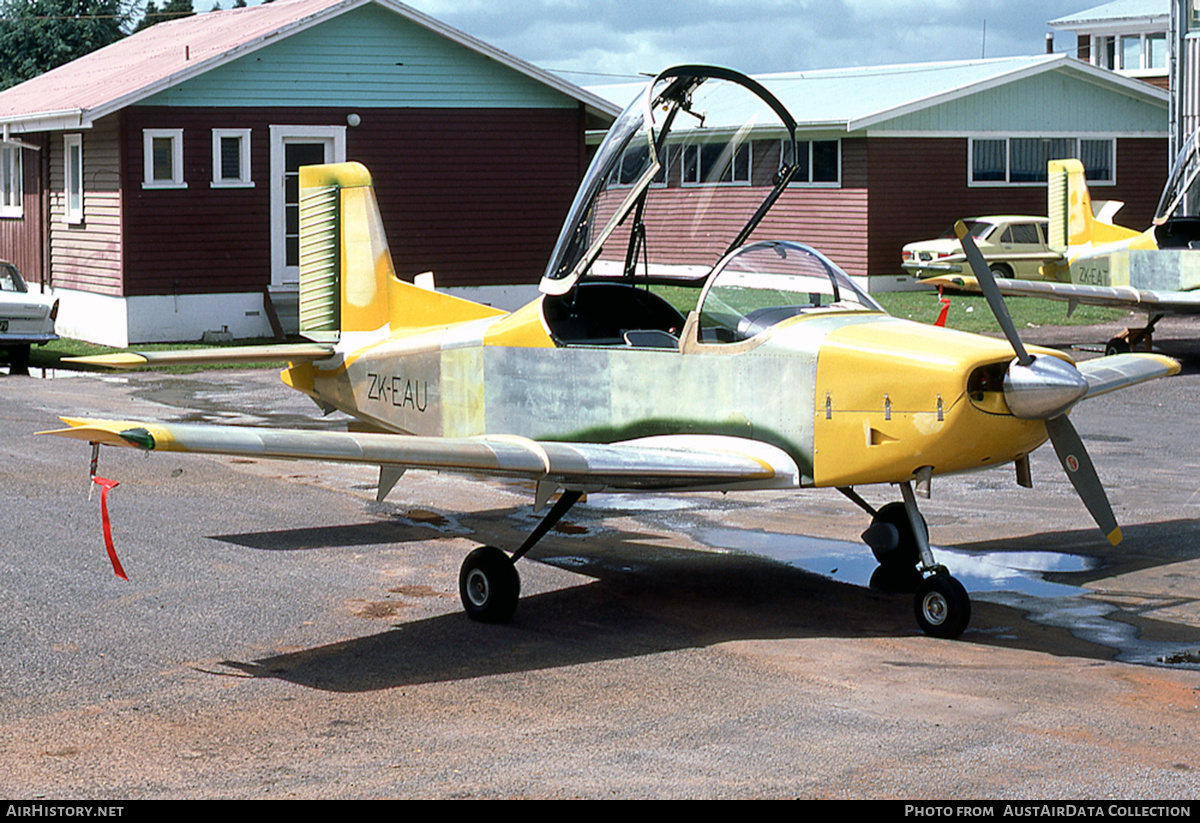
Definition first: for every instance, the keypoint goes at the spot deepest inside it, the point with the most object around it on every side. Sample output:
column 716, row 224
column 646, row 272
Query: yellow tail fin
column 1069, row 208
column 347, row 280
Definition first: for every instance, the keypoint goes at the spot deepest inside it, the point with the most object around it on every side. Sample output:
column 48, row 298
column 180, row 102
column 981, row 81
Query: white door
column 291, row 148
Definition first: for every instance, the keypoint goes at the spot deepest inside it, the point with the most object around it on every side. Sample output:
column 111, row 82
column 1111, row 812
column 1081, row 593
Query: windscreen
column 766, row 283
column 682, row 174
column 1181, row 197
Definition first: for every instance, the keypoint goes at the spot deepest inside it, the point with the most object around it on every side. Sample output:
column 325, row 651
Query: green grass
column 50, row 355
column 967, row 313
column 970, row 312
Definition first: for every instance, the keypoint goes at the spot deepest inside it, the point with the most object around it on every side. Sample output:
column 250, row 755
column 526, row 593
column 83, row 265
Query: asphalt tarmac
column 284, row 636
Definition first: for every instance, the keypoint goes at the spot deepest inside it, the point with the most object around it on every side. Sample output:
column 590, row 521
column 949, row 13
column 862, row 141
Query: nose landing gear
column 899, row 539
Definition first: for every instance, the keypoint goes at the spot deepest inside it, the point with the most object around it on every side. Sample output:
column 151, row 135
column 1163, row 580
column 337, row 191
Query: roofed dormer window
column 163, row 159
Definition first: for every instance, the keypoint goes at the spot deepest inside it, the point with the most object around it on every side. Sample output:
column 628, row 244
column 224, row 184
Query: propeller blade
column 1082, row 474
column 991, row 291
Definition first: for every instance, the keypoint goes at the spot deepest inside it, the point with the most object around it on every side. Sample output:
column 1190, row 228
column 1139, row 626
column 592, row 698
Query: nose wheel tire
column 489, row 585
column 942, row 606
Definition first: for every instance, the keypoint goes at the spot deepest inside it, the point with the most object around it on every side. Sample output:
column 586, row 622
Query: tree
column 39, row 35
column 171, row 10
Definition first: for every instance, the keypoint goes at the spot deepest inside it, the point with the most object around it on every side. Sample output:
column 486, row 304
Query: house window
column 1104, row 54
column 633, row 163
column 717, row 162
column 819, row 161
column 1027, row 157
column 231, row 158
column 1131, row 52
column 1097, row 159
column 1022, row 160
column 73, row 178
column 162, row 151
column 12, row 199
column 1156, row 51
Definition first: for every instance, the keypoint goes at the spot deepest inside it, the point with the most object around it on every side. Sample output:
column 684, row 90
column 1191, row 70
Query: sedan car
column 1014, row 245
column 26, row 318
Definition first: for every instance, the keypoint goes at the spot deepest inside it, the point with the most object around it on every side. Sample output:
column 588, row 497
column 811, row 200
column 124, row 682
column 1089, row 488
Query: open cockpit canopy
column 1177, row 220
column 682, row 178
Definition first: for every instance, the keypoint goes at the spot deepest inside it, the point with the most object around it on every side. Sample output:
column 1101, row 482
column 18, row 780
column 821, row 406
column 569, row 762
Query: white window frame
column 72, row 179
column 1097, row 55
column 1008, row 182
column 808, row 182
column 176, row 180
column 12, row 181
column 690, row 156
column 243, row 180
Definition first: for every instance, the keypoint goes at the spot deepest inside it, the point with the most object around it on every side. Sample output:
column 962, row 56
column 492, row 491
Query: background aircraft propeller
column 1045, row 388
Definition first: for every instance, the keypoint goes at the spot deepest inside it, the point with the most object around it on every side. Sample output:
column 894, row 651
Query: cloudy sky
column 587, row 40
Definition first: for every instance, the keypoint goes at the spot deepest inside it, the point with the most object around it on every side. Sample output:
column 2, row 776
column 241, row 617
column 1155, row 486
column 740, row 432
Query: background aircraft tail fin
column 1073, row 220
column 1068, row 205
column 347, row 280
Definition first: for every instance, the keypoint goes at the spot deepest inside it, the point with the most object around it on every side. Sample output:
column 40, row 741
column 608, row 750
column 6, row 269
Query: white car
column 26, row 318
column 1014, row 245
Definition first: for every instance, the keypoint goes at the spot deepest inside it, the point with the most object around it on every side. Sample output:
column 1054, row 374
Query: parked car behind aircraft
column 1013, row 245
column 26, row 318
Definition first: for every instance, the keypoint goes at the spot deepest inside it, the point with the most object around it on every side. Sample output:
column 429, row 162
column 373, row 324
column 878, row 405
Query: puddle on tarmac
column 639, row 502
column 1013, row 579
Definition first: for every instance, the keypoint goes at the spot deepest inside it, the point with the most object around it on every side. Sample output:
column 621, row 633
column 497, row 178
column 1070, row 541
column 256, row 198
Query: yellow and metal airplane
column 667, row 352
column 1156, row 271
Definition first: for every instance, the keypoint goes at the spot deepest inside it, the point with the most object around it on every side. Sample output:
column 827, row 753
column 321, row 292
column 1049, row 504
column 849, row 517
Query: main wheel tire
column 942, row 606
column 906, row 553
column 489, row 585
column 1118, row 345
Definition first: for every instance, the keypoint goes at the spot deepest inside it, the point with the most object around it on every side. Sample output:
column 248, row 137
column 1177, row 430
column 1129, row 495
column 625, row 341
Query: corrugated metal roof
column 1114, row 12
column 168, row 53
column 857, row 98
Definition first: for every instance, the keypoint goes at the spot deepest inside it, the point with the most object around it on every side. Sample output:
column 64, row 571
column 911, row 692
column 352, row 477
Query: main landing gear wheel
column 489, row 585
column 942, row 606
column 1118, row 345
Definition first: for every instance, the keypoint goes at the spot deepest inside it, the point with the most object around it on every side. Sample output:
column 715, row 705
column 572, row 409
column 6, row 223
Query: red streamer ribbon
column 944, row 302
column 105, row 485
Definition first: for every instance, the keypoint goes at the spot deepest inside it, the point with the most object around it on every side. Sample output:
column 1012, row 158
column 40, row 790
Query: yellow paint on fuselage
column 877, row 418
column 412, row 307
column 525, row 328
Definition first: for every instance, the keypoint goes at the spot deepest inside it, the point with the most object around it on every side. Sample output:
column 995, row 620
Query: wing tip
column 120, row 360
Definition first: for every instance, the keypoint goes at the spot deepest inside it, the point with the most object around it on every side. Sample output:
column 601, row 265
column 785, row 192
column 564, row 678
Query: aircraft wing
column 1105, row 374
column 653, row 463
column 190, row 357
column 1169, row 302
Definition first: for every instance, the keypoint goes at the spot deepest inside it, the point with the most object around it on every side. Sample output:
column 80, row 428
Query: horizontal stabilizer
column 192, row 357
column 691, row 462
